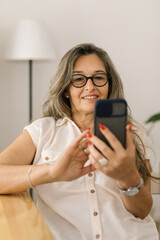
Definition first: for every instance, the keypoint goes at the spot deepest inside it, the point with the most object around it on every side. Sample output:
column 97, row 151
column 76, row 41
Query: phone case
column 113, row 114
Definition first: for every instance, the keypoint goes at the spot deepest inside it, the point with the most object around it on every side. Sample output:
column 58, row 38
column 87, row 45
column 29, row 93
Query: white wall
column 127, row 29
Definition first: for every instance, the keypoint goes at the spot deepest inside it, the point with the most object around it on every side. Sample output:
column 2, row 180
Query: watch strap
column 132, row 191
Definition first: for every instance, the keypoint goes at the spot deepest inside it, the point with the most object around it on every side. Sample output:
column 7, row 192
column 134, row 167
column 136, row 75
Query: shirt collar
column 62, row 121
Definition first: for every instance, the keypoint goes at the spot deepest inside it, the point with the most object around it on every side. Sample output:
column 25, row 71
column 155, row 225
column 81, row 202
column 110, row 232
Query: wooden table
column 21, row 220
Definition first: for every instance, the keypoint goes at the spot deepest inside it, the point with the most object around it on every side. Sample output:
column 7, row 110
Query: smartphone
column 113, row 114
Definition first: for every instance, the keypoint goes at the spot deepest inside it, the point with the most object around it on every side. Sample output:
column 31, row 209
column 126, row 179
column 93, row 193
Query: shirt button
column 97, row 236
column 90, row 174
column 92, row 191
column 95, row 213
column 46, row 158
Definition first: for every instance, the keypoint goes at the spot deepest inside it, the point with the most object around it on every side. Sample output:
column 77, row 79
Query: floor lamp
column 30, row 41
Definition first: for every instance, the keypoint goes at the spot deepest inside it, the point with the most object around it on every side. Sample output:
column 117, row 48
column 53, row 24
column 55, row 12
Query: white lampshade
column 30, row 41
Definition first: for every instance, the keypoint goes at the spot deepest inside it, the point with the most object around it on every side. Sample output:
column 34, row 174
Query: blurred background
column 128, row 30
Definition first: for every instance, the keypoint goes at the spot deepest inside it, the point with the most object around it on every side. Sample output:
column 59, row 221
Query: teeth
column 89, row 97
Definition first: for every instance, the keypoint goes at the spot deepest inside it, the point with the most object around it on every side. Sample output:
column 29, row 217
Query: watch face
column 132, row 191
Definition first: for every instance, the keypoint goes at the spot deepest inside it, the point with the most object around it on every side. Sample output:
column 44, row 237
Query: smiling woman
column 79, row 196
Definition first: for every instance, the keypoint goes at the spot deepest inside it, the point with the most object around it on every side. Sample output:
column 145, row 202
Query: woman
column 79, row 197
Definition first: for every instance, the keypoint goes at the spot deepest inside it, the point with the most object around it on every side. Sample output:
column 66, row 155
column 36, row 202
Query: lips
column 90, row 97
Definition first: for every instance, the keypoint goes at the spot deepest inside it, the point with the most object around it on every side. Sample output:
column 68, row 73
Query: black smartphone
column 113, row 114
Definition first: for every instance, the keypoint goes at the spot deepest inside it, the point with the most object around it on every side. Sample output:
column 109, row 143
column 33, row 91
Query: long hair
column 58, row 106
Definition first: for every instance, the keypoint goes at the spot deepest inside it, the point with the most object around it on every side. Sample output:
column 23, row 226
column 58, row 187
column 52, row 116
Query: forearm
column 14, row 178
column 140, row 204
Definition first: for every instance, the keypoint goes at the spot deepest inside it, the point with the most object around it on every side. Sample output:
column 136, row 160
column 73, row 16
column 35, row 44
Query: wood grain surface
column 21, row 220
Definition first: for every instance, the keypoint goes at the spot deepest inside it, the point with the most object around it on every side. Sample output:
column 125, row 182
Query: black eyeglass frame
column 91, row 77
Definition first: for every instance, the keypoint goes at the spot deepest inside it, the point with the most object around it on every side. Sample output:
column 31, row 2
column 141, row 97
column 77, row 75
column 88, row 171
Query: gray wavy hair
column 58, row 106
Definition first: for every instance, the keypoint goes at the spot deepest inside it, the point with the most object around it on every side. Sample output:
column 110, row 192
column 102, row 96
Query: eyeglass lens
column 79, row 80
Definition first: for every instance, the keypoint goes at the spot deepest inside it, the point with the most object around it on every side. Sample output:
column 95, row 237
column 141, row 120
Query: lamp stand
column 30, row 90
column 30, row 103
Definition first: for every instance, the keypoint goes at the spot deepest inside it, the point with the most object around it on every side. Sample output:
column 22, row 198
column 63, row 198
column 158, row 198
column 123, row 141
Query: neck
column 84, row 122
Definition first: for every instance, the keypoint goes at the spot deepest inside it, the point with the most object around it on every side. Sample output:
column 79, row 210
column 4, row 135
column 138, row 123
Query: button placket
column 94, row 207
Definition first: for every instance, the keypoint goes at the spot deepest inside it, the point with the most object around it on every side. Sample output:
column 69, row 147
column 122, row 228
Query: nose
column 89, row 85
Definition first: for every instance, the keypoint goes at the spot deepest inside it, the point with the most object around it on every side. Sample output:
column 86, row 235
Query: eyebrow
column 97, row 71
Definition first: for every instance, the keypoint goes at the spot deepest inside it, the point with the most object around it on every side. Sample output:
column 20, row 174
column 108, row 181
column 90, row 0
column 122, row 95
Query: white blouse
column 89, row 207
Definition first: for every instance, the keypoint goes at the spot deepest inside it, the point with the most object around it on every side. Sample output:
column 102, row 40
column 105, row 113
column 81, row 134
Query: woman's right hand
column 70, row 164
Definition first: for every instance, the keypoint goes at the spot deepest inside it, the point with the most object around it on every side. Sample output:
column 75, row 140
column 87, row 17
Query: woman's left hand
column 121, row 162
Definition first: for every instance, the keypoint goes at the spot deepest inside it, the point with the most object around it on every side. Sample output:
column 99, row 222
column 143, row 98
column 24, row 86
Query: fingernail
column 130, row 127
column 101, row 126
column 88, row 135
column 89, row 143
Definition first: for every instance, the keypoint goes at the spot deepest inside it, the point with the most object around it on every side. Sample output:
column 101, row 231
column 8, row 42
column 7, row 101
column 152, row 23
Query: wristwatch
column 132, row 191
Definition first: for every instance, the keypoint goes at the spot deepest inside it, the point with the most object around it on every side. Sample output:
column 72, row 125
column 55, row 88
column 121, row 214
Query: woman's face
column 83, row 99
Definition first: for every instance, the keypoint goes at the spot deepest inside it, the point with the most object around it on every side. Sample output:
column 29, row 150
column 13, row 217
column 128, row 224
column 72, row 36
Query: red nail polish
column 89, row 143
column 130, row 127
column 101, row 126
column 88, row 135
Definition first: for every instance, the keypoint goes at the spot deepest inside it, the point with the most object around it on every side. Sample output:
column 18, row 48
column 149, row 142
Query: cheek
column 74, row 94
column 105, row 91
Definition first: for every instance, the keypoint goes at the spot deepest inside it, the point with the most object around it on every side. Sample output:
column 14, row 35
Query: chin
column 89, row 110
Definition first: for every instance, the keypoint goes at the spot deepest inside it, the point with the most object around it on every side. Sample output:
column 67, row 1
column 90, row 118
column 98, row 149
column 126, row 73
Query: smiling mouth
column 90, row 97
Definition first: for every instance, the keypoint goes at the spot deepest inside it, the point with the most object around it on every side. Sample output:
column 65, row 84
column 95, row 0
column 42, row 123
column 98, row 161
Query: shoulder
column 43, row 121
column 40, row 127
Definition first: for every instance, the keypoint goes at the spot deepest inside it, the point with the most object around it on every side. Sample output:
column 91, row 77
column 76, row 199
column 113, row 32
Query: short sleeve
column 34, row 129
column 38, row 129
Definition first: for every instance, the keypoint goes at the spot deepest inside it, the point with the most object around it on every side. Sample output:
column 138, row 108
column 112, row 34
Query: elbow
column 146, row 210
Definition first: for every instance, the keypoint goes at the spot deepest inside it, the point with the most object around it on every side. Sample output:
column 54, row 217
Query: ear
column 66, row 94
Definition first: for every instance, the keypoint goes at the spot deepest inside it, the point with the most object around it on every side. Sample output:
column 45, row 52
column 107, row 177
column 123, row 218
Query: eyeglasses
column 99, row 80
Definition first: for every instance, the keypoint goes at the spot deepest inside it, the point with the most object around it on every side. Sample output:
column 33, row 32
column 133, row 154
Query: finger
column 114, row 142
column 103, row 148
column 97, row 163
column 94, row 162
column 88, row 169
column 83, row 143
column 95, row 152
column 86, row 150
column 129, row 139
column 80, row 138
